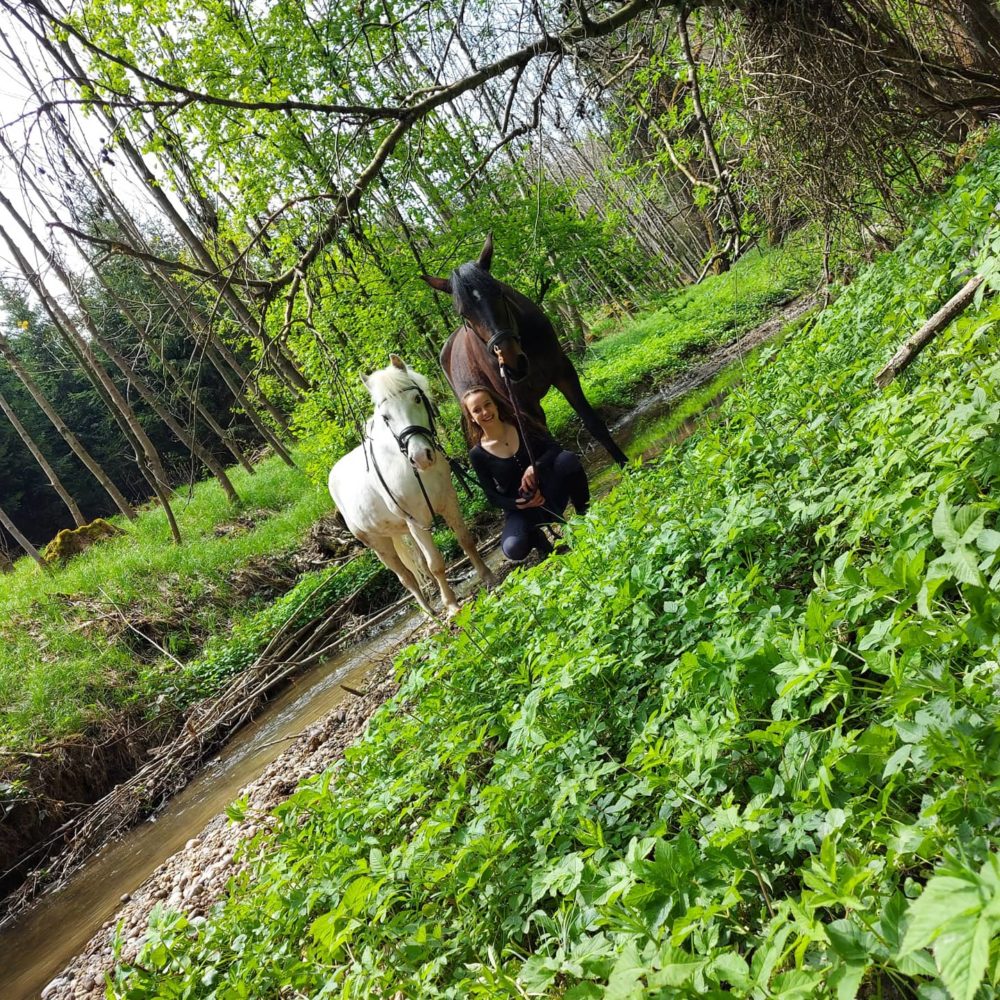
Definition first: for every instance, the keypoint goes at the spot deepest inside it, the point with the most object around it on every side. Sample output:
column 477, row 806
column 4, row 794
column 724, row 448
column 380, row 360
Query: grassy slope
column 58, row 674
column 740, row 742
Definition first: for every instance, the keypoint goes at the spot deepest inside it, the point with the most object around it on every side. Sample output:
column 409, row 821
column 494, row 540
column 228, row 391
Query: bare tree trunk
column 724, row 257
column 223, row 285
column 81, row 345
column 92, row 465
column 185, row 436
column 21, row 540
column 200, row 409
column 907, row 354
column 107, row 198
column 175, row 297
column 54, row 481
column 229, row 377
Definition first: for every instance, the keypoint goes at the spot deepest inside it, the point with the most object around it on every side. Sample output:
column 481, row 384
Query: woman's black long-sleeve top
column 500, row 478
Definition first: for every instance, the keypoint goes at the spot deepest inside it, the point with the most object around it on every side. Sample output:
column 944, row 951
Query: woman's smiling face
column 481, row 408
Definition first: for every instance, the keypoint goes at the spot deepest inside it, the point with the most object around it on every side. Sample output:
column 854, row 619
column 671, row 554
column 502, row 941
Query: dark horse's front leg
column 568, row 383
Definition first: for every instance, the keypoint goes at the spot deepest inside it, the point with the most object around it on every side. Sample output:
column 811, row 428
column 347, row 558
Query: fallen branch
column 907, row 354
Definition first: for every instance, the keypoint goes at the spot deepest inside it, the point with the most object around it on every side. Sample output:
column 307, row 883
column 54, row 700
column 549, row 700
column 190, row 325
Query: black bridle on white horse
column 402, row 439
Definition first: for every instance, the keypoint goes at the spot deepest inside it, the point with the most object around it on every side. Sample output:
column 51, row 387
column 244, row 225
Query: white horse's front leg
column 435, row 563
column 448, row 509
column 386, row 551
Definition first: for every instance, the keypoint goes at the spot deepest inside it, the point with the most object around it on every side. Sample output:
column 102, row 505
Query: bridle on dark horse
column 402, row 439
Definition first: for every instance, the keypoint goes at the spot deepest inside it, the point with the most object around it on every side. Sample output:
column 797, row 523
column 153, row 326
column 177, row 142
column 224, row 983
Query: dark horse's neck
column 467, row 363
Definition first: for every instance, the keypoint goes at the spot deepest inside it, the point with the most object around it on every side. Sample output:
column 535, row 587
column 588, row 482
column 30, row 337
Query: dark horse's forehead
column 473, row 289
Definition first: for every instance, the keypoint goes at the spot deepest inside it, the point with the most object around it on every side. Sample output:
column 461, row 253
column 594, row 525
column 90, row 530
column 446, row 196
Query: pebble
column 55, row 986
column 125, row 897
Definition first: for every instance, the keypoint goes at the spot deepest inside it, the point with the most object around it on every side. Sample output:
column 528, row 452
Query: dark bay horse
column 505, row 328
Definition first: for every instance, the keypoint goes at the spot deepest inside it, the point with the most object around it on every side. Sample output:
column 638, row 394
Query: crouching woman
column 531, row 493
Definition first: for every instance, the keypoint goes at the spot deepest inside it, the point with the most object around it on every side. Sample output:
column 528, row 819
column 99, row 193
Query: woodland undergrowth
column 68, row 661
column 740, row 741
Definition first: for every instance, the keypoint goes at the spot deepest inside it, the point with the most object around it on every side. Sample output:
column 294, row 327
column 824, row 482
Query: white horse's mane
column 387, row 381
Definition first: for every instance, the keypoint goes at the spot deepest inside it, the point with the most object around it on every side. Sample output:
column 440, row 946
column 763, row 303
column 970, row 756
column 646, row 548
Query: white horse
column 389, row 488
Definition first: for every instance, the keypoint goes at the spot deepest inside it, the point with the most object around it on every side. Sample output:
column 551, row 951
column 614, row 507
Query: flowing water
column 37, row 948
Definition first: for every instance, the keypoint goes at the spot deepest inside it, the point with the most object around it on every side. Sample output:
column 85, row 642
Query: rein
column 505, row 375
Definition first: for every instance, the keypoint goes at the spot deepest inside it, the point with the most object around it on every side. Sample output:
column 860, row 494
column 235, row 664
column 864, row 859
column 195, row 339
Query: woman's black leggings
column 565, row 482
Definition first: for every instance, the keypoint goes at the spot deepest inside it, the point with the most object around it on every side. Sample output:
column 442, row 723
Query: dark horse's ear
column 438, row 284
column 486, row 254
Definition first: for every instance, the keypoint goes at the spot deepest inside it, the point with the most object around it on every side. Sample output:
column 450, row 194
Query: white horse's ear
column 364, row 382
column 486, row 254
column 397, row 362
column 438, row 284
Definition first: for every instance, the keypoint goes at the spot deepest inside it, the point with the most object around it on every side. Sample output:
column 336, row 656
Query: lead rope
column 517, row 415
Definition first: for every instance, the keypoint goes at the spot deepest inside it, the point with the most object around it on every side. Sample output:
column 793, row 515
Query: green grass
column 656, row 346
column 740, row 742
column 58, row 673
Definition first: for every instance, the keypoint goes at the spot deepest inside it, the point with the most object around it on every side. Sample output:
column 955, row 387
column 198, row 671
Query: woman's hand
column 535, row 500
column 529, row 481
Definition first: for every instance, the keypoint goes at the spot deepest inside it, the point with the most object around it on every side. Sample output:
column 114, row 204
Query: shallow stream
column 39, row 946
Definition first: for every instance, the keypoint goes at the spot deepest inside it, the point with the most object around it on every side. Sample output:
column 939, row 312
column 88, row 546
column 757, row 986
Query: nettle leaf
column 845, row 979
column 942, row 524
column 625, row 981
column 961, row 954
column 944, row 898
column 965, row 566
column 988, row 540
column 584, row 991
column 958, row 915
column 849, row 942
column 876, row 634
column 969, row 522
column 731, row 968
column 559, row 878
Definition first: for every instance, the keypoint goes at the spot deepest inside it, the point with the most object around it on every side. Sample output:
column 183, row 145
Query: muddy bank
column 61, row 780
column 64, row 809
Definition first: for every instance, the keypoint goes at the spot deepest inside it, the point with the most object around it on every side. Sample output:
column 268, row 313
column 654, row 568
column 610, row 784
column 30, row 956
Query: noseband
column 510, row 334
